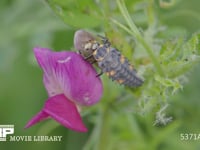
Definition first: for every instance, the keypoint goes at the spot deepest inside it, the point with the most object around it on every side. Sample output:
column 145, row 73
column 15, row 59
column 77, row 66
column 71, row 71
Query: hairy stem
column 135, row 32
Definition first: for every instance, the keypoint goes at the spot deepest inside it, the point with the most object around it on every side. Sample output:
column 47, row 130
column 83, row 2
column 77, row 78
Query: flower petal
column 47, row 61
column 83, row 85
column 69, row 73
column 65, row 112
column 37, row 118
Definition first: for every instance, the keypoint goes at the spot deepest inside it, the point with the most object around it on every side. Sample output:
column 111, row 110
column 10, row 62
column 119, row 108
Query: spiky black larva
column 113, row 63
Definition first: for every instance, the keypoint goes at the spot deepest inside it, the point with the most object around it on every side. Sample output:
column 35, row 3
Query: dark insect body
column 111, row 62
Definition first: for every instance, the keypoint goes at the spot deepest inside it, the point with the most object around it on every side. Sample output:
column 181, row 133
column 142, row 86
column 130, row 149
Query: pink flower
column 71, row 82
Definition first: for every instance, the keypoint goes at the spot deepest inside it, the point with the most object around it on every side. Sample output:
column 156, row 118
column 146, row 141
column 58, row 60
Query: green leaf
column 79, row 14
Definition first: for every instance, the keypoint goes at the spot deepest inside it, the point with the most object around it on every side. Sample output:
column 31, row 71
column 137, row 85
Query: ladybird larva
column 109, row 60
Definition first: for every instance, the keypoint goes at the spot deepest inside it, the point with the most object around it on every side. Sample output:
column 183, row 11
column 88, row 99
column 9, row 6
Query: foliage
column 163, row 63
column 159, row 37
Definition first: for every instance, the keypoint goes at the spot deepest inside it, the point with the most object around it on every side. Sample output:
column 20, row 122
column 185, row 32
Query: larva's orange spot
column 122, row 59
column 120, row 81
column 111, row 73
column 130, row 67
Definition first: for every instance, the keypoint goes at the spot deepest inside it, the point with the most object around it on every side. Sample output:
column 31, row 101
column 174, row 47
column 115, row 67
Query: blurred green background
column 26, row 24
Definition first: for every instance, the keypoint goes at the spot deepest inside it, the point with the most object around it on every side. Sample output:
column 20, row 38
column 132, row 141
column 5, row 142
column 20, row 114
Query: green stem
column 104, row 131
column 135, row 32
column 92, row 140
column 152, row 56
column 99, row 138
column 122, row 26
column 127, row 17
column 150, row 12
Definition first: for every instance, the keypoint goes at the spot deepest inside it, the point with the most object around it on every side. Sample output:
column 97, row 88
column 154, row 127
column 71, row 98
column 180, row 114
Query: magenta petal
column 68, row 73
column 65, row 112
column 37, row 118
column 83, row 86
column 47, row 61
